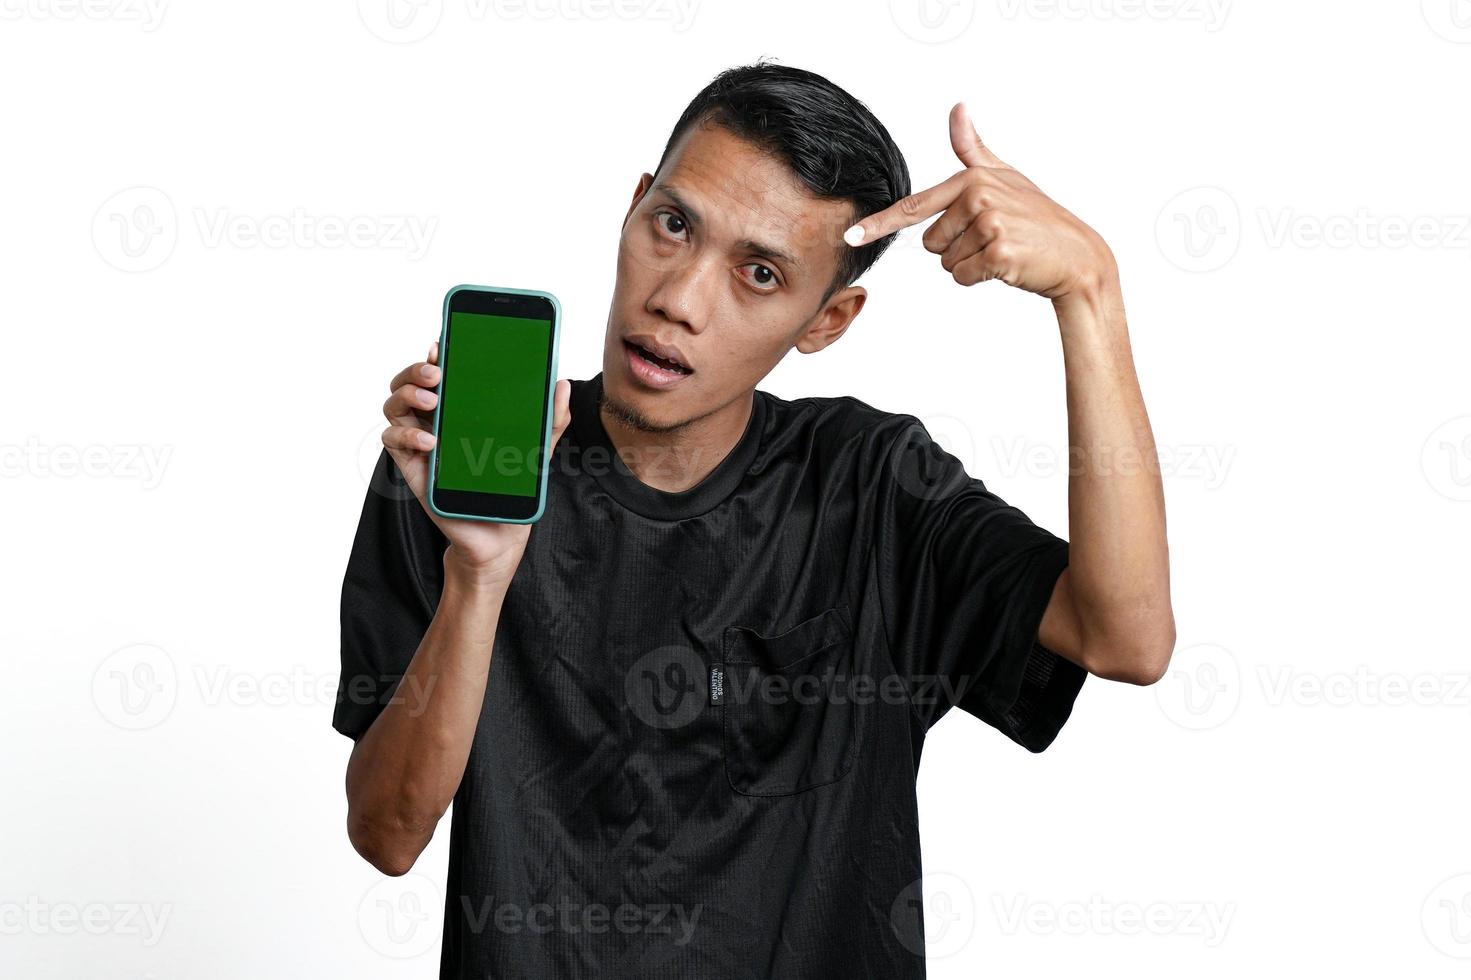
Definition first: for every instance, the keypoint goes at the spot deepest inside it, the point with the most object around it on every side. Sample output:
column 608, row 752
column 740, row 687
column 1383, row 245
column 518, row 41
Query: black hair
column 829, row 139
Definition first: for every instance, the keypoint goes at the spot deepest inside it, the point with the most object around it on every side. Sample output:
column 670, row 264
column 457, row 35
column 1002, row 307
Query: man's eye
column 679, row 226
column 763, row 276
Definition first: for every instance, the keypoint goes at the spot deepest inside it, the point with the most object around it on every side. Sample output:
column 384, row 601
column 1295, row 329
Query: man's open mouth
column 654, row 359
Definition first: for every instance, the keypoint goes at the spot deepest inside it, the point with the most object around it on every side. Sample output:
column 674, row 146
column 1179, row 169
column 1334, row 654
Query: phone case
column 546, row 436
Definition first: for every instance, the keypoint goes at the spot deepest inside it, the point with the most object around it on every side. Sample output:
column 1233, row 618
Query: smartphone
column 493, row 421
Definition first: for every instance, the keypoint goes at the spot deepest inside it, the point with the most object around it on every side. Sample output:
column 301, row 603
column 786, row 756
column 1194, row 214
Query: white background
column 188, row 419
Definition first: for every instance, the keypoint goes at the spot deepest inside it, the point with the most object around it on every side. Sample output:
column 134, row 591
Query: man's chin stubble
column 631, row 417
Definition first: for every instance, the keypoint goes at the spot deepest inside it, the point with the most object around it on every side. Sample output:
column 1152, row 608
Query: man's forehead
column 751, row 194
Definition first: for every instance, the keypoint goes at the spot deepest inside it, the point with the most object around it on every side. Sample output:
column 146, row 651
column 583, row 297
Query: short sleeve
column 394, row 577
column 964, row 581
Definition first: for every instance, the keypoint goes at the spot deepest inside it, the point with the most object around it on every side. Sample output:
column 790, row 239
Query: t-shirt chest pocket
column 790, row 722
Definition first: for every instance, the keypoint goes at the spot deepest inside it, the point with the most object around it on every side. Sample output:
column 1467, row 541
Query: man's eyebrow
column 746, row 243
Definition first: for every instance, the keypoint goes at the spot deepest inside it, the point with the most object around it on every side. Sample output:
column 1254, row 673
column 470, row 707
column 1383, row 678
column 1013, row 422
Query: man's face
column 723, row 259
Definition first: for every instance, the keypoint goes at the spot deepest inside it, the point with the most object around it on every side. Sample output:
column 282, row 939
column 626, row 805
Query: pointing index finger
column 906, row 211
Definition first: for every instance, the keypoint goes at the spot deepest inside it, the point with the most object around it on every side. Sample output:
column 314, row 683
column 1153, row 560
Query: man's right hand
column 482, row 549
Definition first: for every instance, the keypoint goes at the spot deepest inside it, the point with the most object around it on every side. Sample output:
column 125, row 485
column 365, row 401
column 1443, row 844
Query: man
column 681, row 719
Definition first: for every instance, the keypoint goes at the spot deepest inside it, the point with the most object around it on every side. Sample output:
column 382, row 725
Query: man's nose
column 684, row 291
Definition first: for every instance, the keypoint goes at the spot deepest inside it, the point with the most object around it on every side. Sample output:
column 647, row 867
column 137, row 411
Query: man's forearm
column 1117, row 583
column 406, row 768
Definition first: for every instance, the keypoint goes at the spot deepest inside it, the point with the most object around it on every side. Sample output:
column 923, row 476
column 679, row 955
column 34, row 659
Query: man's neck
column 679, row 459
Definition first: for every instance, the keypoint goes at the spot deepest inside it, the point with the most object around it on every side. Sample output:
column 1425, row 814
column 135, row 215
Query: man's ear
column 644, row 183
column 839, row 311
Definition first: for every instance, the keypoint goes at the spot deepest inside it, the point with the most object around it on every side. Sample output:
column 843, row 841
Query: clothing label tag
column 717, row 684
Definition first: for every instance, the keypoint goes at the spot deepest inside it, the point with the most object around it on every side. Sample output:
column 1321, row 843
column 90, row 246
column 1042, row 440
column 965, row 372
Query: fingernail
column 854, row 235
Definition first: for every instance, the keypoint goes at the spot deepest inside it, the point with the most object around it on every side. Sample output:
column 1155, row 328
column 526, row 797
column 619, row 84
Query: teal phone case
column 546, row 436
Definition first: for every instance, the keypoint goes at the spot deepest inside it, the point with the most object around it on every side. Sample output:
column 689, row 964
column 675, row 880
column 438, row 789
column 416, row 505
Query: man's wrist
column 1093, row 311
column 474, row 578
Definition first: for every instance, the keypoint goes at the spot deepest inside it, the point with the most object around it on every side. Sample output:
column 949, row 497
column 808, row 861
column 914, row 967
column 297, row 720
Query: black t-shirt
column 702, row 727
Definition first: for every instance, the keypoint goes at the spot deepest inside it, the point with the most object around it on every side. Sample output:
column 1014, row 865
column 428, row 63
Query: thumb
column 561, row 409
column 966, row 142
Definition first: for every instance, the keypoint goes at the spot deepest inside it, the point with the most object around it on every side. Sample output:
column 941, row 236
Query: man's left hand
column 996, row 224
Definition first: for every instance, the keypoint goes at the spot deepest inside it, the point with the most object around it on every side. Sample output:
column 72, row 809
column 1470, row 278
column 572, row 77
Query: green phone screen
column 494, row 403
